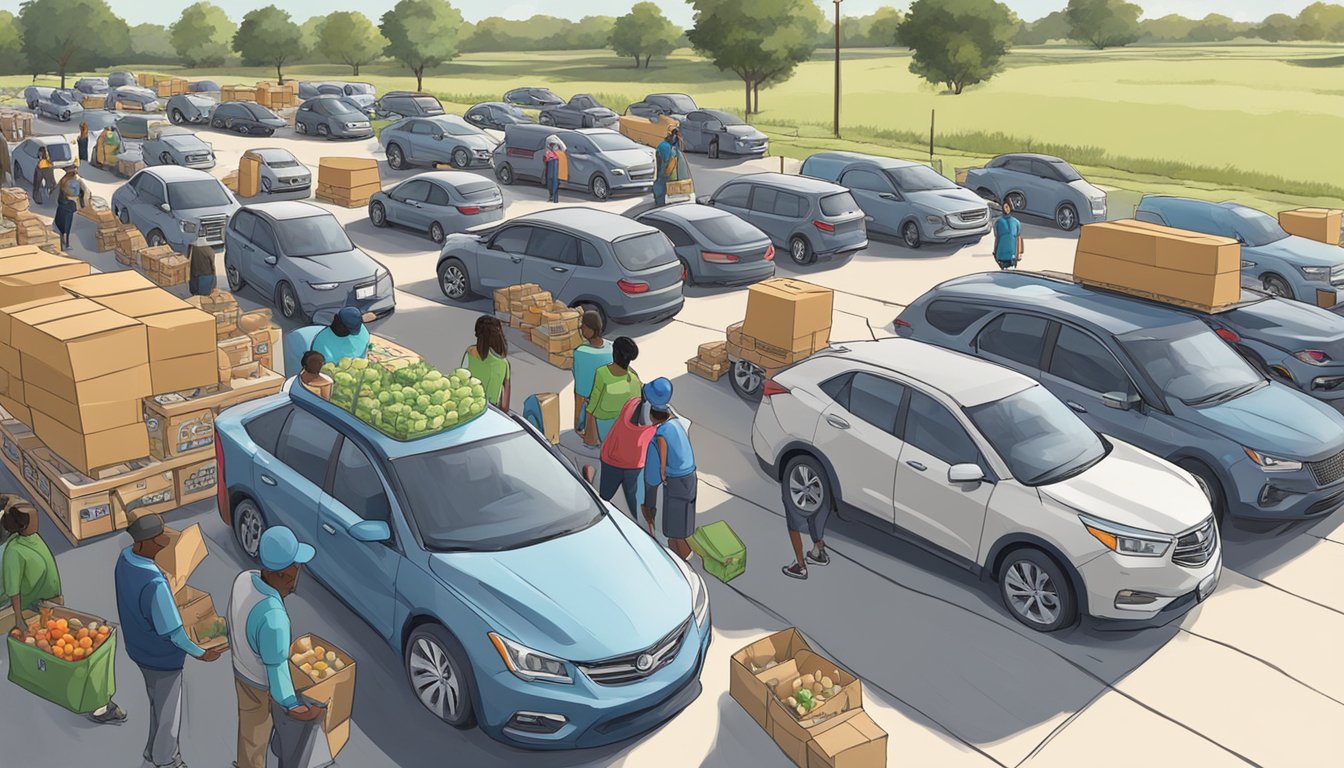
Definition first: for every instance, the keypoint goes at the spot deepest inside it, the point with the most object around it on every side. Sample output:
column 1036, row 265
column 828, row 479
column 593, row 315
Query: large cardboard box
column 83, row 346
column 86, row 452
column 1203, row 291
column 177, row 426
column 195, row 481
column 756, row 669
column 186, row 550
column 855, row 742
column 347, row 172
column 102, row 284
column 793, row 732
column 549, row 405
column 249, row 175
column 788, row 314
column 110, row 411
column 1319, row 224
column 337, row 692
column 34, row 276
column 132, row 382
column 1120, row 240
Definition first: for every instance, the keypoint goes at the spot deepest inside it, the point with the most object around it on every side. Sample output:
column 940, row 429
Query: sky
column 166, row 11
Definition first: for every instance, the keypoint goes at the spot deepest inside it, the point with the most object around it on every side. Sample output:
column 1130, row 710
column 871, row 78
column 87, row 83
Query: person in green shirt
column 27, row 569
column 613, row 386
column 488, row 360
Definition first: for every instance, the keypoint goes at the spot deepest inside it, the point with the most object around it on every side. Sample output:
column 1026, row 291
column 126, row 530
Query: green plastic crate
column 79, row 686
column 724, row 554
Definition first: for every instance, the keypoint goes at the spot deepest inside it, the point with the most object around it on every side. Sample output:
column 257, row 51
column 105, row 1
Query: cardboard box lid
column 186, row 331
column 32, row 262
column 86, row 345
column 38, row 312
column 857, row 730
column 185, row 551
column 143, row 303
column 107, row 284
column 18, row 250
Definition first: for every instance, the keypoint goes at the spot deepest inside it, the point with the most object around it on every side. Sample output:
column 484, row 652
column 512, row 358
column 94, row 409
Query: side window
column 306, row 446
column 837, row 389
column 263, row 238
column 864, row 180
column 677, row 235
column 588, row 255
column 933, row 429
column 358, row 486
column 265, row 429
column 553, row 246
column 953, row 317
column 789, row 205
column 1019, row 338
column 1043, row 169
column 1082, row 360
column 421, row 128
column 242, row 223
column 437, row 196
column 412, row 190
column 733, row 194
column 1017, row 165
column 763, row 200
column 875, row 400
column 512, row 240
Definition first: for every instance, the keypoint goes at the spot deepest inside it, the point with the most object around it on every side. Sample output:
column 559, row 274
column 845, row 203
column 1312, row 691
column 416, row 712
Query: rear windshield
column 644, row 251
column 313, row 236
column 728, row 230
column 276, row 158
column 681, row 102
column 58, row 152
column 202, row 193
column 342, row 107
column 476, row 191
column 429, row 104
column 838, row 204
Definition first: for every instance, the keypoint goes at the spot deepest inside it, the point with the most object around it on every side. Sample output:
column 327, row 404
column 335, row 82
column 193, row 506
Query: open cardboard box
column 186, row 550
column 337, row 692
column 793, row 732
column 753, row 667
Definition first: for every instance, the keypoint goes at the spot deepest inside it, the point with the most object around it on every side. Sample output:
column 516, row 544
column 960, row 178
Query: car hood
column 353, row 264
column 947, row 200
column 1299, row 251
column 744, row 132
column 626, row 158
column 186, row 143
column 1134, row 488
column 602, row 592
column 1290, row 325
column 1278, row 420
column 601, row 113
column 475, row 141
column 1090, row 191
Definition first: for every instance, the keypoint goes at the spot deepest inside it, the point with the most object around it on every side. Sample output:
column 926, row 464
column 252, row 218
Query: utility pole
column 835, row 128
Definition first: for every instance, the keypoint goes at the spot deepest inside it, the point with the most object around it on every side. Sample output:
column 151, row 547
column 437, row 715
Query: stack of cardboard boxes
column 347, row 181
column 549, row 324
column 146, row 79
column 710, row 361
column 1319, row 224
column 105, row 225
column 9, row 233
column 787, row 320
column 128, row 163
column 164, row 87
column 15, row 126
column 27, row 274
column 275, row 97
column 129, row 244
column 1152, row 261
column 93, row 101
column 164, row 266
column 13, row 201
column 237, row 93
column 33, row 229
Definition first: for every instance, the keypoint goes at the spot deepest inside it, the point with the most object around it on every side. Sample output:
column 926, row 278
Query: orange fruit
column 51, row 626
column 80, row 653
column 104, row 629
column 68, row 638
column 85, row 643
column 83, row 632
column 62, row 624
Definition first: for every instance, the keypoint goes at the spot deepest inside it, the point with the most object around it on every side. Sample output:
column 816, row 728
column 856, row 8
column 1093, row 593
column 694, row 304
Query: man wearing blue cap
column 259, row 635
column 627, row 443
column 671, row 465
column 347, row 336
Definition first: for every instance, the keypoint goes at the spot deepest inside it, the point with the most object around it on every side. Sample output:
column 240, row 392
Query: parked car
column 133, row 98
column 395, row 105
column 1040, row 185
column 904, row 199
column 361, row 94
column 715, row 132
column 430, row 140
column 55, row 103
column 714, row 246
column 674, row 105
column 246, row 118
column 622, row 269
column 487, row 592
column 171, row 204
column 332, row 117
column 1285, row 265
column 581, row 111
column 189, row 108
column 281, row 171
column 203, row 86
column 599, row 160
column 813, row 219
column 298, row 256
column 121, row 79
column 93, row 86
column 439, row 203
column 987, row 468
column 25, row 156
column 496, row 115
column 137, row 126
column 533, row 98
column 173, row 145
column 1153, row 376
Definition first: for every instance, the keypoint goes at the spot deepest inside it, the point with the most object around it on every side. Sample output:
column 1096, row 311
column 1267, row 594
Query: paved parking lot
column 1252, row 676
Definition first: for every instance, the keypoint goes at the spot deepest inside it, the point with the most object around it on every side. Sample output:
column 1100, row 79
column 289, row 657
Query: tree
column 308, row 32
column 268, row 36
column 421, row 34
column 1277, row 28
column 1054, row 26
column 1321, row 21
column 1169, row 28
column 958, row 42
column 151, row 42
column 883, row 26
column 1103, row 23
column 11, row 49
column 70, row 35
column 201, row 35
column 592, row 32
column 644, row 31
column 348, row 37
column 1216, row 28
column 761, row 43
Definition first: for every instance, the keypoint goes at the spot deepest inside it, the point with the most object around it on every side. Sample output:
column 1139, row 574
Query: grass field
column 1258, row 122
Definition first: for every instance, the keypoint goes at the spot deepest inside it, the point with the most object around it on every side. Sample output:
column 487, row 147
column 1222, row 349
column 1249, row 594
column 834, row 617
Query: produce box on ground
column 408, row 402
column 1319, row 224
column 129, row 245
column 31, row 228
column 333, row 685
column 1173, row 265
column 69, row 661
column 723, row 553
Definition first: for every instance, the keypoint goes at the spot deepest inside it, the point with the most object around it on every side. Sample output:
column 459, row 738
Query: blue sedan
column 517, row 599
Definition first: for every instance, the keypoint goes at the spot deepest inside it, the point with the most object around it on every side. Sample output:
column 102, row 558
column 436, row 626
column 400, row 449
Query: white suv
column 984, row 466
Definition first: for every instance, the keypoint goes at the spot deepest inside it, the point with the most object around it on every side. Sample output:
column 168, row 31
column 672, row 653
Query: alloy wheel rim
column 394, row 157
column 460, row 158
column 377, row 214
column 1066, row 218
column 600, row 188
column 1032, row 593
column 249, row 530
column 234, row 282
column 155, row 239
column 911, row 235
column 1273, row 288
column 287, row 302
column 436, row 232
column 1016, row 201
column 432, row 677
column 746, row 376
column 798, row 250
column 454, row 282
column 805, row 489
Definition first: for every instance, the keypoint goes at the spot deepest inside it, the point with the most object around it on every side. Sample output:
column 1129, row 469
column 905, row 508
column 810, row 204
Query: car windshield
column 542, row 93
column 1188, row 362
column 58, row 152
column 498, row 494
column 835, row 205
column 457, row 129
column 727, row 230
column 259, row 112
column 1065, row 171
column 611, row 141
column 510, row 110
column 429, row 104
column 313, row 236
column 354, row 89
column 276, row 158
column 1039, row 438
column 644, row 251
column 725, row 118
column 341, row 107
column 681, row 103
column 1257, row 228
column 201, row 193
column 919, row 178
column 59, row 97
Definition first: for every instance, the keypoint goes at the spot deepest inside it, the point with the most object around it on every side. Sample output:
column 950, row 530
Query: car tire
column 460, row 158
column 396, row 159
column 599, row 187
column 805, row 486
column 248, row 525
column 377, row 214
column 545, row 119
column 177, row 117
column 32, row 105
column 687, row 276
column 748, row 380
column 301, row 127
column 234, row 277
column 910, row 235
column 1017, row 200
column 436, row 233
column 124, row 216
column 155, row 237
column 217, row 124
column 287, row 301
column 440, row 676
column 269, row 132
column 323, row 131
column 800, row 251
column 504, row 174
column 243, row 130
column 1036, row 590
column 1273, row 284
column 1209, row 483
column 713, row 151
column 1066, row 217
column 454, row 280
column 65, row 117
column 166, row 158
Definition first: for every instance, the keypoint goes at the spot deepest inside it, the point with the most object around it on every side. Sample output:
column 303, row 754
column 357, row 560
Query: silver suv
column 170, row 204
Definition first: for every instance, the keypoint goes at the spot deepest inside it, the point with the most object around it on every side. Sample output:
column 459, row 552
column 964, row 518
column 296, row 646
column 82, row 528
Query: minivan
column 813, row 219
column 598, row 160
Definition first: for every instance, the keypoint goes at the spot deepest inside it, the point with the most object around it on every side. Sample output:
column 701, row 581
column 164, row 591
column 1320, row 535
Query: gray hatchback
column 438, row 202
column 332, row 117
column 811, row 218
column 714, row 246
column 622, row 269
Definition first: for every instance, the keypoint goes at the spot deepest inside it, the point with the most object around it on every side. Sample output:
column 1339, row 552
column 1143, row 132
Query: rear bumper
column 843, row 249
column 735, row 274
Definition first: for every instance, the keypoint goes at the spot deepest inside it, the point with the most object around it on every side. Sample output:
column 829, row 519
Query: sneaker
column 795, row 571
column 819, row 557
column 114, row 715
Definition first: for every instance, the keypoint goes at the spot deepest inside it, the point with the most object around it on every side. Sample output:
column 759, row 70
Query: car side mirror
column 164, row 207
column 887, row 195
column 271, row 260
column 1121, row 401
column 438, row 137
column 370, row 531
column 589, row 474
column 965, row 473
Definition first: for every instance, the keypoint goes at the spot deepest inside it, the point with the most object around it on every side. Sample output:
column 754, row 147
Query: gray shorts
column 814, row 525
column 678, row 505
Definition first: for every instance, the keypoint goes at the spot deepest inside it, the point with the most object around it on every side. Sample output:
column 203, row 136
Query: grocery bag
column 80, row 686
column 723, row 553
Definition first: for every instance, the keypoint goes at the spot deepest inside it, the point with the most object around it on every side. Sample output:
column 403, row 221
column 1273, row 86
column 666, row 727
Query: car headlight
column 1247, row 264
column 699, row 595
column 618, row 171
column 323, row 286
column 1272, row 464
column 189, row 227
column 1315, row 273
column 352, row 125
column 527, row 664
column 1124, row 540
column 934, row 219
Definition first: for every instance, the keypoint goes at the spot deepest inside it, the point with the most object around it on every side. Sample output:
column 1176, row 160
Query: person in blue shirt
column 669, row 155
column 155, row 639
column 1007, row 238
column 671, row 464
column 347, row 336
column 259, row 634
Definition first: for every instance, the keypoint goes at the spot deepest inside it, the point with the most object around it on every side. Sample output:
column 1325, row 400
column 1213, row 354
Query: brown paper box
column 563, row 361
column 36, row 276
column 337, row 692
column 17, row 409
column 100, row 449
column 1199, row 254
column 1119, row 240
column 185, row 551
column 152, row 494
column 1319, row 224
column 780, row 310
column 857, row 742
column 84, row 416
column 239, row 350
column 714, row 351
column 347, row 172
column 550, row 415
column 10, row 361
column 131, row 383
column 750, row 689
column 85, row 346
column 173, row 433
column 107, row 284
column 183, row 373
column 147, row 303
column 186, row 331
column 711, row 371
column 196, row 481
column 7, row 314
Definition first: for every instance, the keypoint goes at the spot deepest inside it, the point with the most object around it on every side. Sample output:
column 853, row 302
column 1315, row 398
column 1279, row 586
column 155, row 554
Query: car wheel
column 1017, row 201
column 166, row 158
column 453, row 280
column 248, row 525
column 288, row 302
column 177, row 117
column 395, row 159
column 460, row 158
column 545, row 119
column 747, row 379
column 377, row 214
column 1036, row 590
column 599, row 187
column 323, row 131
column 234, row 276
column 155, row 237
column 505, row 174
column 439, row 675
column 687, row 276
column 269, row 132
column 65, row 117
column 300, row 127
column 910, row 235
column 217, row 124
column 713, row 151
column 805, row 486
column 243, row 129
column 265, row 185
column 1209, row 484
column 1066, row 217
column 1277, row 286
column 800, row 250
column 436, row 233
column 124, row 215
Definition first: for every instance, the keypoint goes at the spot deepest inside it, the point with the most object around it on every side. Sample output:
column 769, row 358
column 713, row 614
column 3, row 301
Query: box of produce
column 66, row 657
column 328, row 679
column 406, row 402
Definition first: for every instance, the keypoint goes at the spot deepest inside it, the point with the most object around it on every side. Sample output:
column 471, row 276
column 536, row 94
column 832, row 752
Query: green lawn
column 1258, row 122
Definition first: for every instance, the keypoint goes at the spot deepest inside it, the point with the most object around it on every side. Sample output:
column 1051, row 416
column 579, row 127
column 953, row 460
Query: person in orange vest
column 551, row 171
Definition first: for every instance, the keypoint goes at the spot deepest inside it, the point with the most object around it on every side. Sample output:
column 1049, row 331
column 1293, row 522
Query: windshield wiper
column 1223, row 397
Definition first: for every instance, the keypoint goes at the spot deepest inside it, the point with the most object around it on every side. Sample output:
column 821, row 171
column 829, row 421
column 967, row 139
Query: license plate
column 364, row 292
column 1207, row 586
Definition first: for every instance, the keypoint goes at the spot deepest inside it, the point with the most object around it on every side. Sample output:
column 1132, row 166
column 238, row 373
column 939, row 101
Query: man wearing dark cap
column 346, row 337
column 155, row 639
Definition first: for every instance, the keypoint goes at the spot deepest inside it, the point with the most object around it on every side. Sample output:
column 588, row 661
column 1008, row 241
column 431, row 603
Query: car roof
column 450, row 178
column 791, row 183
column 686, row 212
column 47, row 141
column 603, row 224
column 408, row 93
column 859, row 157
column 283, row 210
column 968, row 380
column 1032, row 156
column 171, row 173
column 1110, row 312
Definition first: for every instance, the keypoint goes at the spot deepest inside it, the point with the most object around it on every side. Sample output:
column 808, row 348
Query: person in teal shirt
column 669, row 158
column 1007, row 238
column 346, row 337
column 592, row 354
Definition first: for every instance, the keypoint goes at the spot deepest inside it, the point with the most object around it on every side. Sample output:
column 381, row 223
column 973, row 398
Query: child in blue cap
column 671, row 464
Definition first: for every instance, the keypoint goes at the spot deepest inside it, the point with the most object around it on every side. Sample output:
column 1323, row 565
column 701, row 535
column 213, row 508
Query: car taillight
column 902, row 326
column 221, row 492
column 823, row 226
column 771, row 388
column 632, row 286
column 718, row 258
column 1229, row 336
column 770, row 253
column 468, row 211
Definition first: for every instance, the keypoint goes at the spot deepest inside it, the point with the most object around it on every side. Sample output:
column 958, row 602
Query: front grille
column 973, row 217
column 1328, row 471
column 213, row 227
column 197, row 159
column 1196, row 547
column 622, row 669
column 641, row 172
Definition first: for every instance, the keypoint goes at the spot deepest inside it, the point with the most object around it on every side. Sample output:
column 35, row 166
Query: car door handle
column 329, row 529
column 516, row 259
column 915, row 465
column 1076, row 406
column 837, row 422
column 267, row 479
column 559, row 269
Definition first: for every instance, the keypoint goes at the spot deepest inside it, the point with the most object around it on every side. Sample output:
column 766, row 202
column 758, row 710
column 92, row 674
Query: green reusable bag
column 724, row 554
column 80, row 686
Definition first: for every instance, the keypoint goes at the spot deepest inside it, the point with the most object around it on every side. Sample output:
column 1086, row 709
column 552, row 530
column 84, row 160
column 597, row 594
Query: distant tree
column 11, row 49
column 1321, row 21
column 644, row 32
column 201, row 35
column 421, row 34
column 1054, row 26
column 348, row 37
column 882, row 26
column 268, row 36
column 70, row 35
column 1216, row 28
column 1169, row 28
column 958, row 42
column 1103, row 23
column 762, row 42
column 1277, row 28
column 151, row 42
column 308, row 33
column 593, row 32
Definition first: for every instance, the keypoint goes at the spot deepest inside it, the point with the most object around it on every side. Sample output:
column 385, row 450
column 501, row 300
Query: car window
column 306, row 445
column 1018, row 164
column 512, row 240
column 416, row 190
column 1019, row 338
column 588, row 254
column 263, row 237
column 312, row 236
column 733, row 194
column 676, row 234
column 242, row 223
column 875, row 400
column 553, row 246
column 953, row 317
column 865, row 180
column 644, row 251
column 265, row 429
column 582, row 102
column 422, row 128
column 763, row 200
column 1043, row 169
column 1082, row 360
column 149, row 188
column 358, row 486
column 200, row 193
column 789, row 205
column 838, row 204
column 933, row 429
column 437, row 196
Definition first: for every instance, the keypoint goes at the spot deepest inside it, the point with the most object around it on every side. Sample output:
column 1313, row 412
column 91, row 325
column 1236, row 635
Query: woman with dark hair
column 27, row 568
column 592, row 354
column 488, row 360
column 613, row 386
column 44, row 178
column 69, row 198
column 83, row 142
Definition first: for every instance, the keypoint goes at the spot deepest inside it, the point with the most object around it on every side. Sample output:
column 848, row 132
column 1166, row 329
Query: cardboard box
column 177, row 426
column 1148, row 244
column 129, row 245
column 180, row 333
column 564, row 361
column 855, row 742
column 83, row 346
column 713, row 352
column 17, row 410
column 710, row 371
column 337, row 692
column 787, row 313
column 793, row 732
column 239, row 350
column 196, row 481
column 1119, row 240
column 87, row 452
column 1205, row 292
column 85, row 415
column 245, row 371
column 183, row 373
column 549, row 403
column 36, row 276
column 131, row 383
column 752, row 669
column 1319, row 224
column 186, row 550
column 347, row 172
column 104, row 284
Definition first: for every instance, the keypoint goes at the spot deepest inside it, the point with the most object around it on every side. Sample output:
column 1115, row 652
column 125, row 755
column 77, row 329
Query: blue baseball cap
column 280, row 549
column 658, row 393
column 351, row 318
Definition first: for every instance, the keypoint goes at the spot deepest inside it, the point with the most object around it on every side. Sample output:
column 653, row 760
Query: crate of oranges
column 65, row 657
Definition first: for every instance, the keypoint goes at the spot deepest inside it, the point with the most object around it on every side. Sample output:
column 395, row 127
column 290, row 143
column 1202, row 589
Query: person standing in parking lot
column 488, row 360
column 83, row 142
column 814, row 525
column 44, row 178
column 69, row 198
column 589, row 356
column 668, row 154
column 1007, row 238
column 625, row 448
column 551, row 168
column 671, row 465
column 613, row 386
column 202, row 267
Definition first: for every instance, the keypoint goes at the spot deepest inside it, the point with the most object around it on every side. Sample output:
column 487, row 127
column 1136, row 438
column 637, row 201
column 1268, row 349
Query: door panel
column 551, row 260
column 1081, row 370
column 857, row 434
column 502, row 265
column 297, row 474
